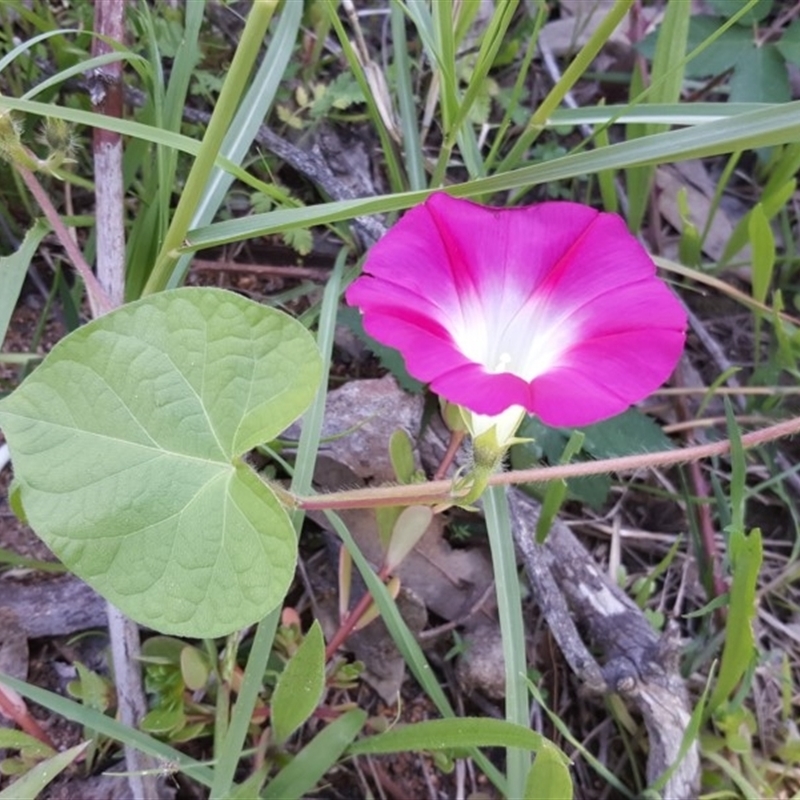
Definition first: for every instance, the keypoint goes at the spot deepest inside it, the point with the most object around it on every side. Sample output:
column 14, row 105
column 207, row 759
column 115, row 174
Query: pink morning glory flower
column 554, row 309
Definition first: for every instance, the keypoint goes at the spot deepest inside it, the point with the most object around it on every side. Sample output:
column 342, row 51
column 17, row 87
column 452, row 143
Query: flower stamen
column 504, row 363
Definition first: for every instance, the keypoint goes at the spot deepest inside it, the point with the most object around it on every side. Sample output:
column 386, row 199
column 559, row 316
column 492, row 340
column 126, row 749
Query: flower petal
column 602, row 377
column 553, row 307
column 471, row 386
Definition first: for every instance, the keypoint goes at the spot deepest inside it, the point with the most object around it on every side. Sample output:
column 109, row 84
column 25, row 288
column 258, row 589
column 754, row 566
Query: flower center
column 510, row 336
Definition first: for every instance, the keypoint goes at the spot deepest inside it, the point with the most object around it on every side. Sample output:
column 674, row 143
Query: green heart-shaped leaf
column 127, row 445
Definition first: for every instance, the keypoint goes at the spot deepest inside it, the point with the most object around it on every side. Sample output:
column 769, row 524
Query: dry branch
column 639, row 665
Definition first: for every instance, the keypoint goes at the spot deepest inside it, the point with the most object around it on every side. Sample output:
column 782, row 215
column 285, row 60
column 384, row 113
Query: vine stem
column 443, row 491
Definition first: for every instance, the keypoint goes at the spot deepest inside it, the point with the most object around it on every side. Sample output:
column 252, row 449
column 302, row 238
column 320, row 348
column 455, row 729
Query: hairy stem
column 443, row 491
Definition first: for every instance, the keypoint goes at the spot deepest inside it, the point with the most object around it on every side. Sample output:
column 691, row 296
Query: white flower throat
column 527, row 348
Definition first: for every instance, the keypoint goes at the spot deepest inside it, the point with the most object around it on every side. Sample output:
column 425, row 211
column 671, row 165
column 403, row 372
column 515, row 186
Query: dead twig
column 297, row 273
column 106, row 92
column 640, row 666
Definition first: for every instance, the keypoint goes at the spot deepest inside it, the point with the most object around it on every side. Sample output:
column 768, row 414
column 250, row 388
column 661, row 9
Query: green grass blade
column 779, row 122
column 738, row 469
column 468, row 147
column 490, row 45
column 30, row 785
column 409, row 124
column 572, row 73
column 26, row 45
column 445, row 59
column 783, row 171
column 419, row 13
column 722, row 185
column 12, row 559
column 666, row 84
column 249, row 118
column 745, row 554
column 444, row 27
column 305, row 770
column 252, row 683
column 169, row 108
column 429, row 32
column 666, row 76
column 754, row 129
column 737, row 777
column 149, row 133
column 249, row 46
column 408, row 646
column 80, row 69
column 762, row 242
column 13, row 269
column 512, row 629
column 155, row 181
column 520, row 84
column 637, row 179
column 771, row 203
column 183, row 65
column 554, row 496
column 655, row 114
column 609, row 777
column 454, row 734
column 605, row 177
column 464, row 20
column 689, row 737
column 107, row 726
column 312, row 421
column 396, row 179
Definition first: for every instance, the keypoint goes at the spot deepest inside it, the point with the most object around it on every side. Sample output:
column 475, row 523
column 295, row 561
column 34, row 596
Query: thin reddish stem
column 456, row 437
column 702, row 512
column 351, row 620
column 23, row 718
column 708, row 532
column 98, row 299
